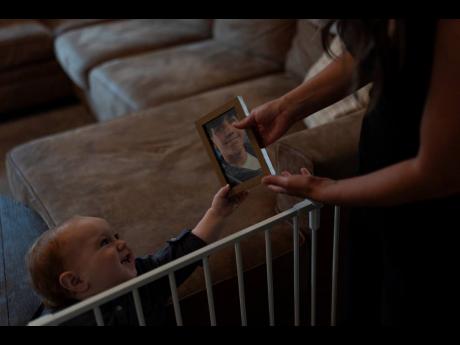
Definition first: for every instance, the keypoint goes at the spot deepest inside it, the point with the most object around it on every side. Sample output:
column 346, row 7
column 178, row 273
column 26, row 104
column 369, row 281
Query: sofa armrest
column 329, row 150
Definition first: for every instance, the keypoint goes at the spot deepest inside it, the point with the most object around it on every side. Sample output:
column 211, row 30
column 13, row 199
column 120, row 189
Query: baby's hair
column 45, row 262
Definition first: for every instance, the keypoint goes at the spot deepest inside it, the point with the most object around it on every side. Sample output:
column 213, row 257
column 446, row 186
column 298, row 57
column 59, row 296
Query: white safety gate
column 132, row 286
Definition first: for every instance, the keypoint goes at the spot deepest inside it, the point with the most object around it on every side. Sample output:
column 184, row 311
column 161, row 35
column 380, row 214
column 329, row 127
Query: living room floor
column 17, row 130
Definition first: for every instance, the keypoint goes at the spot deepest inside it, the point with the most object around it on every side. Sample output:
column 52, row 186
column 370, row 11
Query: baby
column 84, row 256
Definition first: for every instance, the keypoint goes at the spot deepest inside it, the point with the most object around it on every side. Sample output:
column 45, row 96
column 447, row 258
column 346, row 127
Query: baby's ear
column 72, row 282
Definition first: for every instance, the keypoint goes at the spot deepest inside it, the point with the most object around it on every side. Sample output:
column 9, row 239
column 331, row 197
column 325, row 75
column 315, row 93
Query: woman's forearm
column 397, row 184
column 329, row 86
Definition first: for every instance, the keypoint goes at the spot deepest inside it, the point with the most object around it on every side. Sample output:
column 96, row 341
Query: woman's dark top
column 400, row 261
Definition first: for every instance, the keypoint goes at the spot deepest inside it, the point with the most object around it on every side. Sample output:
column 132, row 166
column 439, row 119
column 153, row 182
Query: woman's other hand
column 304, row 185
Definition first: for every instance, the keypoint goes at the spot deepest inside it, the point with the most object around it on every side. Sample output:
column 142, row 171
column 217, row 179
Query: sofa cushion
column 23, row 41
column 82, row 49
column 19, row 227
column 268, row 38
column 130, row 84
column 59, row 26
column 305, row 50
column 148, row 174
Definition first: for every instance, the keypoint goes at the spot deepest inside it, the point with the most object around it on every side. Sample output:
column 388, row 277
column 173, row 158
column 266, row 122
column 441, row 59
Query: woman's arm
column 434, row 172
column 329, row 86
column 272, row 119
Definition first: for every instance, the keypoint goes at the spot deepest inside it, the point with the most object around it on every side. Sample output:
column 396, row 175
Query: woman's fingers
column 276, row 189
column 281, row 181
column 290, row 184
column 246, row 122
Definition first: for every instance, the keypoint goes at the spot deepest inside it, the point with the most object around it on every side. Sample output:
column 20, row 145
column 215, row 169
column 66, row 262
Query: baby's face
column 96, row 254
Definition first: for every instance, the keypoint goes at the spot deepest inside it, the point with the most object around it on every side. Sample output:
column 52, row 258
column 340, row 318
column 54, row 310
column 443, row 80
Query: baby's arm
column 209, row 227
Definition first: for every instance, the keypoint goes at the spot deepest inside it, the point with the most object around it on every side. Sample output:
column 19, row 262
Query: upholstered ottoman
column 148, row 174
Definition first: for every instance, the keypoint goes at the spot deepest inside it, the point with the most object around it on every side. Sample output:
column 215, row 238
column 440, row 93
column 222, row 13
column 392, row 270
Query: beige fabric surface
column 130, row 84
column 148, row 174
column 23, row 41
column 358, row 100
column 305, row 49
column 268, row 38
column 82, row 49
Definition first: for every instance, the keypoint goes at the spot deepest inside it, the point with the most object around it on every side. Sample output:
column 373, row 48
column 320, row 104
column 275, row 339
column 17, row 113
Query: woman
column 401, row 256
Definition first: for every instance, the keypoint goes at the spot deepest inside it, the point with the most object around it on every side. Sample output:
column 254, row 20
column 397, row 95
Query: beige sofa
column 31, row 76
column 130, row 65
column 144, row 168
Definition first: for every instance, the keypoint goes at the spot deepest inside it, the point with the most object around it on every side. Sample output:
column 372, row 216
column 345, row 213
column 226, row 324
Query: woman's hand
column 268, row 121
column 223, row 205
column 304, row 185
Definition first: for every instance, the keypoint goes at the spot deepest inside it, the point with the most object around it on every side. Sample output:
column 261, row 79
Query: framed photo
column 235, row 154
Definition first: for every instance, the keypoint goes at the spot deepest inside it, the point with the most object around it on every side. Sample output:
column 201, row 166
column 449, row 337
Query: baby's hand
column 223, row 205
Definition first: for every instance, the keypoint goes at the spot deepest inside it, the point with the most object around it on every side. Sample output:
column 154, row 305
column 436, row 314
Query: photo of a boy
column 233, row 149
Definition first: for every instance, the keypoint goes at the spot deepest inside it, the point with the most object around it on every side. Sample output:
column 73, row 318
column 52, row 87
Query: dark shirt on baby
column 154, row 296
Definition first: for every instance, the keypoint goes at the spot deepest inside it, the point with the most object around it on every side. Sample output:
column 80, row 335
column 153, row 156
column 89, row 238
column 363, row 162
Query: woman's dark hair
column 377, row 48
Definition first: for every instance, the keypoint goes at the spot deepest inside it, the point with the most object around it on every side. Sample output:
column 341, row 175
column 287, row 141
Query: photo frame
column 236, row 156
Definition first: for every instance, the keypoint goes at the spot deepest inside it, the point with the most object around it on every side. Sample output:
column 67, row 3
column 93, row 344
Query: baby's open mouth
column 127, row 259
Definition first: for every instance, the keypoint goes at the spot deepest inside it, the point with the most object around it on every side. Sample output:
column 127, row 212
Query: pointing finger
column 246, row 122
column 281, row 181
column 276, row 189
